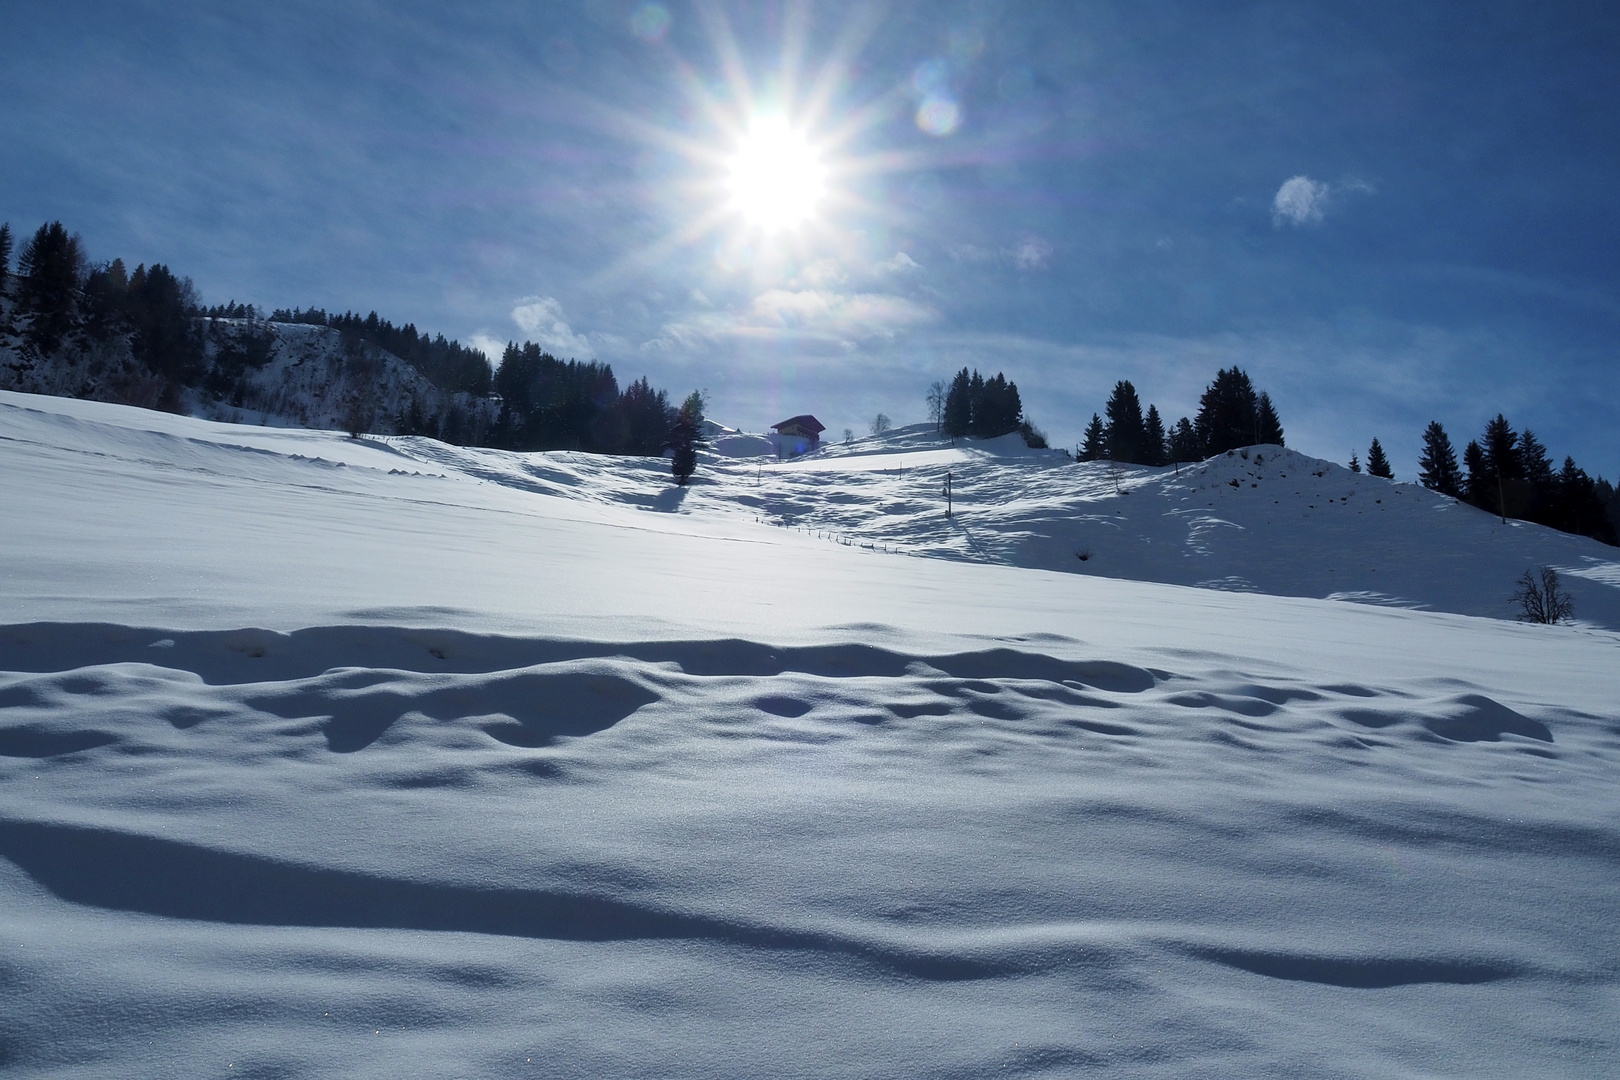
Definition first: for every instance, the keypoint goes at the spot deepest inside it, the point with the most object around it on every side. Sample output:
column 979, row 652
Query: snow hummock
column 379, row 757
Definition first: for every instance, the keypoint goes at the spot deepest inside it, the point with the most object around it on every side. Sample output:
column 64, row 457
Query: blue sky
column 1386, row 213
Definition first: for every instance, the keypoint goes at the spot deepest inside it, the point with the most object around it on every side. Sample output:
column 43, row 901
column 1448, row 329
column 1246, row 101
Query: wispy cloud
column 542, row 319
column 1299, row 201
column 806, row 315
column 898, row 263
column 1031, row 253
column 823, row 273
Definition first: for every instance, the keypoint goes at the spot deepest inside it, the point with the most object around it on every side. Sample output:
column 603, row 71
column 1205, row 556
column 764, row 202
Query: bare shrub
column 1541, row 599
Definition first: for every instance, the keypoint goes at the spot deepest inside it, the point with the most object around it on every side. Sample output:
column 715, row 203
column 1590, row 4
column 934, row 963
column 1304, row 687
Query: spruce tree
column 1154, row 438
column 1479, row 486
column 1184, row 444
column 959, row 405
column 1438, row 463
column 1501, row 446
column 1542, row 495
column 1271, row 430
column 1094, row 443
column 1505, row 493
column 1125, row 435
column 1576, row 504
column 1534, row 464
column 51, row 269
column 1377, row 463
column 1228, row 413
column 1355, row 462
column 685, row 436
column 976, row 403
column 5, row 252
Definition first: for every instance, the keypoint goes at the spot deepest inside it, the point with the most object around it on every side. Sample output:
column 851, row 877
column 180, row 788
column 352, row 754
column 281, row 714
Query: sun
column 777, row 177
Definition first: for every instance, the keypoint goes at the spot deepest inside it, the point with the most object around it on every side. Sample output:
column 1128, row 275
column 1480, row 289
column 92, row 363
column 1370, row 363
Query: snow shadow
column 527, row 708
column 254, row 655
column 176, row 880
column 1360, row 973
column 1466, row 718
column 28, row 741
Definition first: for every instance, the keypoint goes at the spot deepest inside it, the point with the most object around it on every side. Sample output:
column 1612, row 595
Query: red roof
column 805, row 423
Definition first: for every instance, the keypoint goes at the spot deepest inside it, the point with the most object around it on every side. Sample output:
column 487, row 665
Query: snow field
column 324, row 757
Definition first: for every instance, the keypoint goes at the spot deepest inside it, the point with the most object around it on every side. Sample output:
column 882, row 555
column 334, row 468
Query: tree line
column 985, row 408
column 1231, row 413
column 1509, row 473
column 59, row 297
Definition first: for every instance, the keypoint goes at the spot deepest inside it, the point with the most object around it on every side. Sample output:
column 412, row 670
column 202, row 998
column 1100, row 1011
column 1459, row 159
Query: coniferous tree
column 1501, row 446
column 1355, row 462
column 1539, row 477
column 959, row 405
column 1478, row 477
column 1534, row 465
column 1154, row 437
column 1576, row 505
column 51, row 268
column 5, row 252
column 985, row 408
column 1377, row 463
column 1609, row 499
column 1270, row 424
column 1094, row 442
column 160, row 306
column 1125, row 433
column 1012, row 408
column 647, row 417
column 1183, row 443
column 1228, row 413
column 106, row 299
column 1438, row 463
column 685, row 436
column 997, row 409
column 1504, row 495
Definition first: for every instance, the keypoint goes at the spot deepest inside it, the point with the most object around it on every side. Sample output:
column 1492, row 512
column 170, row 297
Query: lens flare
column 939, row 116
column 650, row 22
column 776, row 177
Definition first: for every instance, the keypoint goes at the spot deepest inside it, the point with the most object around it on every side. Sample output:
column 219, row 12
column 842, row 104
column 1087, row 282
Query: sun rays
column 768, row 163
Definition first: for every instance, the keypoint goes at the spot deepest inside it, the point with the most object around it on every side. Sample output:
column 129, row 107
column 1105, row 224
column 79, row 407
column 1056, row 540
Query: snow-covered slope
column 327, row 757
column 1264, row 519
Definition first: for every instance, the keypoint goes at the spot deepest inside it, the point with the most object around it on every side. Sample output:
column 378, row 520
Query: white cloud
column 970, row 253
column 820, row 316
column 489, row 346
column 541, row 318
column 1298, row 201
column 824, row 272
column 898, row 263
column 1031, row 253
